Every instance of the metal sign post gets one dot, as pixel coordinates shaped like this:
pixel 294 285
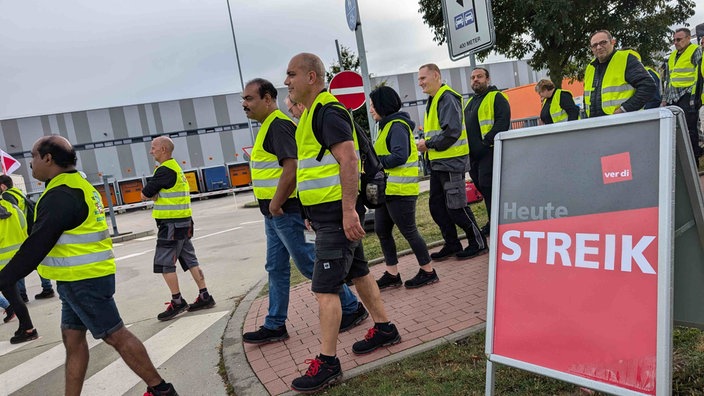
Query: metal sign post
pixel 469 25
pixel 108 197
pixel 581 270
pixel 354 22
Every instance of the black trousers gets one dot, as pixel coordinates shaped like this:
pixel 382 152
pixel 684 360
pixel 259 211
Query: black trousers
pixel 12 294
pixel 692 115
pixel 447 218
pixel 481 174
pixel 399 211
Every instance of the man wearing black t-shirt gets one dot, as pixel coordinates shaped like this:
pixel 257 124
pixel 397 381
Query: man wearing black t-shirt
pixel 273 166
pixel 327 181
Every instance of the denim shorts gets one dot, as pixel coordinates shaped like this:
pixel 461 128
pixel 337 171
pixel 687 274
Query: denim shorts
pixel 88 305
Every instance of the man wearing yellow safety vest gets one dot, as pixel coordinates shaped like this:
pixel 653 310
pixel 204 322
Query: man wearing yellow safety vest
pixel 680 79
pixel 172 211
pixel 273 166
pixel 446 148
pixel 13 232
pixel 328 184
pixel 486 113
pixel 615 81
pixel 70 243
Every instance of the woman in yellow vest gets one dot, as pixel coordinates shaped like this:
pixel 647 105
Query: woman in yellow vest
pixel 397 151
pixel 558 104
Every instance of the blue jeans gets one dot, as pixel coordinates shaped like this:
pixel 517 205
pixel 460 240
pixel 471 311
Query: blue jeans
pixel 285 240
pixel 3 302
pixel 46 285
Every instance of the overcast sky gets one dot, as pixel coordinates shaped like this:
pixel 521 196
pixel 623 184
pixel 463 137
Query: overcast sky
pixel 60 56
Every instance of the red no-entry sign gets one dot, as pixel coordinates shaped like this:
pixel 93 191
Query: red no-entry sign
pixel 348 88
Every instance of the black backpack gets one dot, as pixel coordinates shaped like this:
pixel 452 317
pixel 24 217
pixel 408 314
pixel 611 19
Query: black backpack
pixel 373 177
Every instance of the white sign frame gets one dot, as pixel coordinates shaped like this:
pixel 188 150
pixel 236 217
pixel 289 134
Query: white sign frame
pixel 469 26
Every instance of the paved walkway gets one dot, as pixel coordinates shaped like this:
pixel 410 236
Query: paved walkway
pixel 447 310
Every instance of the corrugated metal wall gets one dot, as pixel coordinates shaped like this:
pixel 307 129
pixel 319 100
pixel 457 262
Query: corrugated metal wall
pixel 207 131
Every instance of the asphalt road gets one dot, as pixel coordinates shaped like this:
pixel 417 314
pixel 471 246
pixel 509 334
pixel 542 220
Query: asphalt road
pixel 230 245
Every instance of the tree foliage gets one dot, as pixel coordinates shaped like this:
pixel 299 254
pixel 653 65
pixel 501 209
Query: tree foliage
pixel 556 33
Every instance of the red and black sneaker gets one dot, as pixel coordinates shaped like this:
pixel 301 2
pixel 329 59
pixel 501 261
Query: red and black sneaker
pixel 318 376
pixel 201 303
pixel 168 392
pixel 173 309
pixel 376 338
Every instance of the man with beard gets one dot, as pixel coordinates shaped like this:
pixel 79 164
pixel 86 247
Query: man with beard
pixel 485 114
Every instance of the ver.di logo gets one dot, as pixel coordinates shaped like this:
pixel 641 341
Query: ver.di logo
pixel 616 168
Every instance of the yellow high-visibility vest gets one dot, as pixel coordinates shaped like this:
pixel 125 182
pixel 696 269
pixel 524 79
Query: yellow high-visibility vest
pixel 318 182
pixel 614 88
pixel 432 128
pixel 485 113
pixel 174 202
pixel 682 73
pixel 557 113
pixel 403 179
pixel 84 252
pixel 266 170
pixel 13 231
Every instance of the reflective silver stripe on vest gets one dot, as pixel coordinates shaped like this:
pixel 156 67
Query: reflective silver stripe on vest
pixel 10 248
pixel 615 102
pixel 587 94
pixel 684 79
pixel 265 183
pixel 459 142
pixel 486 122
pixel 429 134
pixel 559 113
pixel 408 165
pixel 327 159
pixel 4 262
pixel 67 239
pixel 78 260
pixel 620 88
pixel 265 165
pixel 329 181
pixel 402 179
pixel 683 70
pixel 171 207
pixel 176 194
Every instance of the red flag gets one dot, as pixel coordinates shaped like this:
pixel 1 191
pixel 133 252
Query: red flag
pixel 8 163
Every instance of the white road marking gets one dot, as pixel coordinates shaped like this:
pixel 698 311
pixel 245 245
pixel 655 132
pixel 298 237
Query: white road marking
pixel 216 233
pixel 133 255
pixel 117 378
pixel 6 347
pixel 252 222
pixel 116 244
pixel 146 238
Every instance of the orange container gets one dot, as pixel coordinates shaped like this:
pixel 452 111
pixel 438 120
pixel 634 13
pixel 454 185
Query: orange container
pixel 240 175
pixel 131 191
pixel 192 178
pixel 101 190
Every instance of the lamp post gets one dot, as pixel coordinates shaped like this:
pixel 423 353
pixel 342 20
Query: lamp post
pixel 239 66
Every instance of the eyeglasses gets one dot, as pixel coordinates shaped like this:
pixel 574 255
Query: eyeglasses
pixel 600 43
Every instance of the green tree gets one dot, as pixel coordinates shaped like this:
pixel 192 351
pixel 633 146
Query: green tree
pixel 555 33
pixel 349 61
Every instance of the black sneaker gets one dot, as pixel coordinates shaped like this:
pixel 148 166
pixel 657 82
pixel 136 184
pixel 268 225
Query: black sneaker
pixel 201 304
pixel 172 310
pixel 376 338
pixel 169 392
pixel 389 281
pixel 23 336
pixel 46 293
pixel 470 252
pixel 422 278
pixel 485 230
pixel 264 335
pixel 24 297
pixel 318 376
pixel 353 319
pixel 9 314
pixel 445 252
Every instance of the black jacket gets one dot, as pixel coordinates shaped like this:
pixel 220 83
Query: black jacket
pixel 479 146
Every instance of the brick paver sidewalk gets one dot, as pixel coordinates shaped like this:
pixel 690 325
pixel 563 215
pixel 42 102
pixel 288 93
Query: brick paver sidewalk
pixel 456 303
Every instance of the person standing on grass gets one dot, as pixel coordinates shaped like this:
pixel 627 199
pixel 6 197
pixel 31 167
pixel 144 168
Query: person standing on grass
pixel 273 166
pixel 399 156
pixel 328 184
pixel 172 211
